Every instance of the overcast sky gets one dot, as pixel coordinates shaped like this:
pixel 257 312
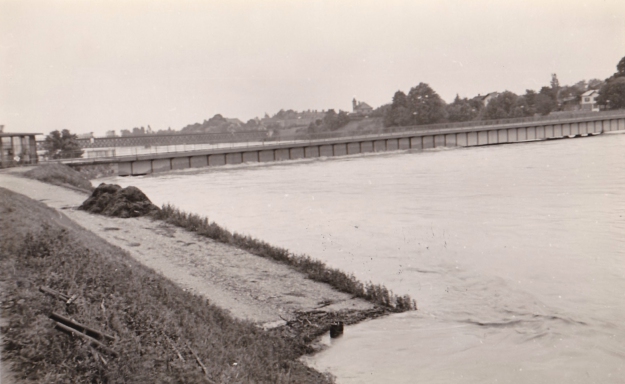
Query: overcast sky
pixel 92 66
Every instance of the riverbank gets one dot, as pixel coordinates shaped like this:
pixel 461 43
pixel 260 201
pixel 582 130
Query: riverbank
pixel 253 289
pixel 158 331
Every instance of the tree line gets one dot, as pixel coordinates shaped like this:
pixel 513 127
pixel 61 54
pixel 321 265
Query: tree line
pixel 422 105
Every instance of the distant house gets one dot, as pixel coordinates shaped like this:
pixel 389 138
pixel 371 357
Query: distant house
pixel 487 97
pixel 589 101
pixel 361 108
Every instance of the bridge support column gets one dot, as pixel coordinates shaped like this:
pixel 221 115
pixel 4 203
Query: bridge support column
pixel 450 140
pixel 234 158
pixel 161 165
pixel 199 161
pixel 482 137
pixel 540 133
pixel 281 154
pixel 492 137
pixel 339 149
pixel 311 152
pixel 266 156
pixel 472 139
pixel 379 145
pixel 502 136
pixel 439 141
pixel 296 153
pixel 353 148
pixel 250 157
pixel 124 169
pixel 428 142
pixel 461 139
pixel 416 142
pixel 180 163
pixel 404 143
pixel 366 146
pixel 326 150
pixel 392 145
pixel 141 167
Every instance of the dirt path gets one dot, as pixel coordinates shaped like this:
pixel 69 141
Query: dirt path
pixel 250 287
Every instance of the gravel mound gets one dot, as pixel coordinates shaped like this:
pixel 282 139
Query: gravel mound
pixel 113 200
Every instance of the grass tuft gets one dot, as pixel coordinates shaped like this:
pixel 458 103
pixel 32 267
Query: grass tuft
pixel 313 269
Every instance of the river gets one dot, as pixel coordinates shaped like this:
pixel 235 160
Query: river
pixel 514 253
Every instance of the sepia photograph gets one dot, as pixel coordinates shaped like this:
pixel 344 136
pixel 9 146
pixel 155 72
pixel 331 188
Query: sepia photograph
pixel 312 191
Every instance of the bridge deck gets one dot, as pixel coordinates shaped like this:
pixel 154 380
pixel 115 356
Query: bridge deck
pixel 421 138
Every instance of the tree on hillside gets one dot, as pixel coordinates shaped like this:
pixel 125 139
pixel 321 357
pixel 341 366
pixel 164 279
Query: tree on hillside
pixel 612 93
pixel 555 87
pixel 62 145
pixel 545 101
pixel 620 68
pixel 398 113
pixel 425 105
pixel 595 84
pixel 333 121
pixel 501 107
pixel 463 109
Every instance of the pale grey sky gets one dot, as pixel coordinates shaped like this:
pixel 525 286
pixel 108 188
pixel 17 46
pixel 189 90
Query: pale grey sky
pixel 91 66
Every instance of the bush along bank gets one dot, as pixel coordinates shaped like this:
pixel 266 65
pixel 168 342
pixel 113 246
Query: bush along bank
pixel 313 269
pixel 160 332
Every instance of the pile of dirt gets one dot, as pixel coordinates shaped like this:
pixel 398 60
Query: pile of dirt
pixel 113 200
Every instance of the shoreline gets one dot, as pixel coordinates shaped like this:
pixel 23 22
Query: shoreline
pixel 243 283
pixel 250 287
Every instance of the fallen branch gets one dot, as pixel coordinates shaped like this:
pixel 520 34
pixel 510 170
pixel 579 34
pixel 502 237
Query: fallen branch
pixel 90 339
pixel 94 333
pixel 173 346
pixel 58 295
pixel 197 358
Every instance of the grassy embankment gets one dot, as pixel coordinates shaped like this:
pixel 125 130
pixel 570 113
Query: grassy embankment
pixel 59 174
pixel 157 326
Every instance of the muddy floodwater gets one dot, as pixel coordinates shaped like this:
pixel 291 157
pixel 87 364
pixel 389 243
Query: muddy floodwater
pixel 515 253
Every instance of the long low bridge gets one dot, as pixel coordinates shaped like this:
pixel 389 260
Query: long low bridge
pixel 413 138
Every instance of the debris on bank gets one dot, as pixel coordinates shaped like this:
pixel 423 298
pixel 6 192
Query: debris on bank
pixel 113 200
pixel 308 326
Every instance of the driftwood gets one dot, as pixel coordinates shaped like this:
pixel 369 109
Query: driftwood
pixel 309 325
pixel 199 361
pixel 58 295
pixel 197 358
pixel 61 296
pixel 93 333
pixel 89 339
pixel 173 346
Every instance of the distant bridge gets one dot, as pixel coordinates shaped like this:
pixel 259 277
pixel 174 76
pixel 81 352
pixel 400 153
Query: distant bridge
pixel 415 138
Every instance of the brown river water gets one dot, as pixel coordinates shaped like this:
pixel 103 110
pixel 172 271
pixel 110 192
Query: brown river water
pixel 514 253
